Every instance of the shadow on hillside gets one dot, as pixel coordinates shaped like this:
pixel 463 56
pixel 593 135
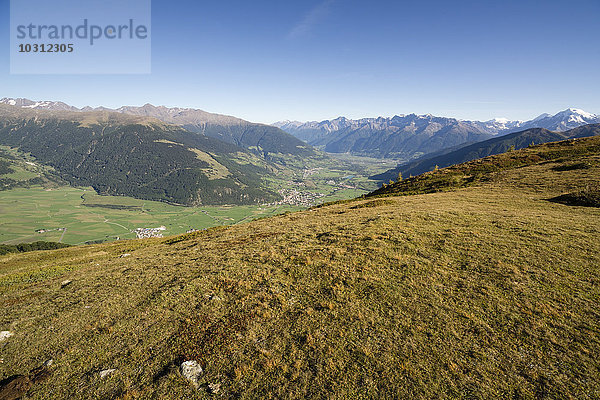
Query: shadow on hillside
pixel 589 197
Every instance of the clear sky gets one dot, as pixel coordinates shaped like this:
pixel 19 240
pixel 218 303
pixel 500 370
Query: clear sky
pixel 312 60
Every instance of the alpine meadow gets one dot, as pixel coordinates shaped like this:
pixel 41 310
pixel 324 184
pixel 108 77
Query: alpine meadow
pixel 300 200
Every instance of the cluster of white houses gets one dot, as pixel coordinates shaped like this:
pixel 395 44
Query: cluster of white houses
pixel 295 197
pixel 145 233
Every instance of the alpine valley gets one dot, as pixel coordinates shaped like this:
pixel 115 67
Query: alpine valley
pixel 139 167
pixel 127 168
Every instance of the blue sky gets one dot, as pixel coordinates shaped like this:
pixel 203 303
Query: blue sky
pixel 312 60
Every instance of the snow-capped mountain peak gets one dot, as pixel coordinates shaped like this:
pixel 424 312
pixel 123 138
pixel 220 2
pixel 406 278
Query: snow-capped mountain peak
pixel 563 120
pixel 45 105
pixel 575 115
pixel 581 113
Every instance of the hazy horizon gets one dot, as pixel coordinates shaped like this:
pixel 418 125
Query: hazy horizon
pixel 317 60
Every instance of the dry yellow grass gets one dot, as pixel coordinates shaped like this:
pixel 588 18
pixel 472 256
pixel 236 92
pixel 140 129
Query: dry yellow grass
pixel 488 291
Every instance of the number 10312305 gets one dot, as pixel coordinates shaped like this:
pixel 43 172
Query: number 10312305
pixel 45 48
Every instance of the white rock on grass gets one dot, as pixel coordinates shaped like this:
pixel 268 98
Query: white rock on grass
pixel 106 372
pixel 125 255
pixel 65 283
pixel 5 335
pixel 191 371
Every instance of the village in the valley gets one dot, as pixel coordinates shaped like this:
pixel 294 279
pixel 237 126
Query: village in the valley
pixel 300 197
pixel 145 233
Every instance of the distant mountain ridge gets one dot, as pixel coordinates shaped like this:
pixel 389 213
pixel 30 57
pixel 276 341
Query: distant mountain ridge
pixel 402 136
pixel 40 105
pixel 262 139
pixel 265 140
pixel 413 135
pixel 562 121
pixel 496 145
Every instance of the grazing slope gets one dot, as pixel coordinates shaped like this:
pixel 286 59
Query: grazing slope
pixel 136 156
pixel 489 291
pixel 497 145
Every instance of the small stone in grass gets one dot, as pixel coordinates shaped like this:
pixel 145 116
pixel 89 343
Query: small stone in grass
pixel 65 283
pixel 192 371
pixel 106 372
pixel 125 255
pixel 5 335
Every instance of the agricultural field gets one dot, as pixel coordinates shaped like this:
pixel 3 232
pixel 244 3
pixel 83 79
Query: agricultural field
pixel 78 216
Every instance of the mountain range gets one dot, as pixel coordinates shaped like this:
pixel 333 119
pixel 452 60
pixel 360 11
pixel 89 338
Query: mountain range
pixel 268 141
pixel 410 136
pixel 496 145
pixel 402 137
pixel 189 156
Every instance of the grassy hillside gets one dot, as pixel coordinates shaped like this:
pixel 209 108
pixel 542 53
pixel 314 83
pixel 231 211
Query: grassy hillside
pixel 497 145
pixel 20 170
pixel 486 291
pixel 581 153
